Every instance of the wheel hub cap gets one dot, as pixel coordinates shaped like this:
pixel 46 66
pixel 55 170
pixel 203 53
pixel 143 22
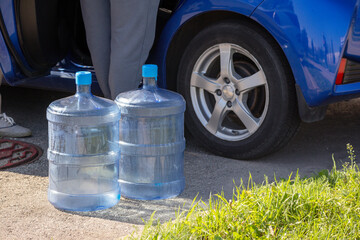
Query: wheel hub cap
pixel 228 92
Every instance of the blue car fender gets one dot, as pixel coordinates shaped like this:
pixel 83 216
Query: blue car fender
pixel 313 37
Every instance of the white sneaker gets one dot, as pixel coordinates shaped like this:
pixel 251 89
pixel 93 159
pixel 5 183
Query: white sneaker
pixel 8 128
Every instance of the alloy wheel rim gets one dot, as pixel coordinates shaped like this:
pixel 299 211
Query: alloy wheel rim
pixel 229 92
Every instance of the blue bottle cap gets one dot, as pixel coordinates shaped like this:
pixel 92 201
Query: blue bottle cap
pixel 83 78
pixel 149 71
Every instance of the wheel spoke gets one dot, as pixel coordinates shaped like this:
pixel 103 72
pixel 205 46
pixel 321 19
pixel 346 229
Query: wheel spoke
pixel 226 62
pixel 256 80
pixel 217 116
pixel 246 117
pixel 203 82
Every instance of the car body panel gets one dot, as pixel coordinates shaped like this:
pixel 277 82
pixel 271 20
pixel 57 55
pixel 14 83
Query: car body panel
pixel 312 38
pixel 8 67
pixel 5 59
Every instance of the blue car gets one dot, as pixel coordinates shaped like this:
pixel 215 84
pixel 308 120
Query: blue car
pixel 250 70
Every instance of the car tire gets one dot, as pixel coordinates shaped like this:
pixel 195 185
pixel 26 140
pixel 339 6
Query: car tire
pixel 240 93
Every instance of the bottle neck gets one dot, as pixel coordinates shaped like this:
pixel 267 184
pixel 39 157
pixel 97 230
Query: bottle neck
pixel 149 83
pixel 83 89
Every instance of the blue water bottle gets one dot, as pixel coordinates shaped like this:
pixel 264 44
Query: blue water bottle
pixel 152 140
pixel 83 150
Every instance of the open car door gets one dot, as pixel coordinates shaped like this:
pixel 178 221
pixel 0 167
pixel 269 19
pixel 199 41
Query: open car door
pixel 34 36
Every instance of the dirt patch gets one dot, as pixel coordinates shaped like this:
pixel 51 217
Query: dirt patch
pixel 25 213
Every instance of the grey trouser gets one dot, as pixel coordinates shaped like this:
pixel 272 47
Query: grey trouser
pixel 119 34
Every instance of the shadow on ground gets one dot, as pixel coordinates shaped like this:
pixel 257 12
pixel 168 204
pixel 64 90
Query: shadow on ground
pixel 308 152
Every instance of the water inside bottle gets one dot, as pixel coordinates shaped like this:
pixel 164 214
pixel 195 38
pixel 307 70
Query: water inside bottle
pixel 83 151
pixel 151 141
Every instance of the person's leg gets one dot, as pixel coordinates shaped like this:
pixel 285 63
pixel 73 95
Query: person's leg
pixel 133 25
pixel 96 15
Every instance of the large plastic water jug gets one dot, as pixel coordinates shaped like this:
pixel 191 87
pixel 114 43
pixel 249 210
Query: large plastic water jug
pixel 152 140
pixel 83 150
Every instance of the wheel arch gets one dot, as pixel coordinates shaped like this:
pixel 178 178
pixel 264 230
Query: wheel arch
pixel 187 31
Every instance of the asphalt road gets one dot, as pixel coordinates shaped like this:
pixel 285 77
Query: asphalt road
pixel 310 151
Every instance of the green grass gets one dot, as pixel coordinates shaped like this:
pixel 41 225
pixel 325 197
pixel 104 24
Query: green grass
pixel 325 206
